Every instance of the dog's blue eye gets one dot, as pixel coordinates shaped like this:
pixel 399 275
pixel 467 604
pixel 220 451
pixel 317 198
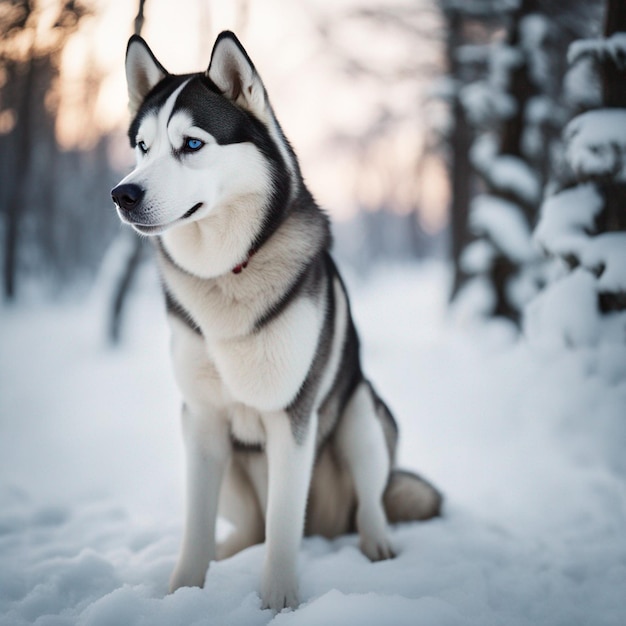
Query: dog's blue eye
pixel 193 144
pixel 142 146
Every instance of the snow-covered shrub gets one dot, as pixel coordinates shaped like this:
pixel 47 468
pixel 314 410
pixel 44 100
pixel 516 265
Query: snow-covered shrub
pixel 583 225
pixel 515 109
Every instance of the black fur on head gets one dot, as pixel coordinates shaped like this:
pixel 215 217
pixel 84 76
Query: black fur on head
pixel 228 101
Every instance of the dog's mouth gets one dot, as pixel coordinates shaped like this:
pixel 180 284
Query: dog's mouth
pixel 192 210
pixel 149 230
pixel 157 229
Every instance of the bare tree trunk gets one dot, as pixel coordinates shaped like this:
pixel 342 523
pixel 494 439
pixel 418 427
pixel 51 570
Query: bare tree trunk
pixel 613 84
pixel 461 173
pixel 522 89
pixel 614 95
pixel 459 166
pixel 22 142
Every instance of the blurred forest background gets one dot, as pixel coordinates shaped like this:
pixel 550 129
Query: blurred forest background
pixel 488 132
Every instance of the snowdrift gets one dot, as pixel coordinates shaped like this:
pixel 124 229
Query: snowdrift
pixel 527 445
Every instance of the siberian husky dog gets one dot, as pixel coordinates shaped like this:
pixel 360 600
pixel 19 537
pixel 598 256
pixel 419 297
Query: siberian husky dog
pixel 283 433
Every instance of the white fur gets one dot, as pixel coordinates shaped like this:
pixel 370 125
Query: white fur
pixel 282 475
pixel 219 236
pixel 289 477
pixel 246 424
pixel 214 239
pixel 266 369
pixel 237 379
pixel 227 306
pixel 228 61
pixel 208 450
pixel 361 443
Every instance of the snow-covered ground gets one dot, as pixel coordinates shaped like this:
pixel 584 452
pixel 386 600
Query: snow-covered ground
pixel 527 446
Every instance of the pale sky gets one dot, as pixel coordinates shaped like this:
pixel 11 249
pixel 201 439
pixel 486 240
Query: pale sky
pixel 313 98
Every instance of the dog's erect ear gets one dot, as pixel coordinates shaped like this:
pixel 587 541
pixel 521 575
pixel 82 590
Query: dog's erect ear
pixel 143 72
pixel 233 72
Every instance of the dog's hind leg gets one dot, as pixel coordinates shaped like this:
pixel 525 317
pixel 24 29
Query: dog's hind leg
pixel 290 464
pixel 361 443
pixel 207 447
pixel 240 505
pixel 409 497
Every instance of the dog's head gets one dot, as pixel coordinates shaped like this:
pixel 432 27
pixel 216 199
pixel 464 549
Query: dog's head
pixel 203 142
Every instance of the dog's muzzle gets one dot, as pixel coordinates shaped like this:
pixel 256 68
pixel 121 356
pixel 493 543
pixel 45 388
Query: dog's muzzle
pixel 127 197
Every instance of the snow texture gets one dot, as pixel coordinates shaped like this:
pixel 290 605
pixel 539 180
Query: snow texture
pixel 567 313
pixel 527 447
pixel 567 218
pixel 596 144
pixel 523 285
pixel 540 112
pixel 566 228
pixel 605 255
pixel 475 300
pixel 534 30
pixel 486 100
pixel 504 59
pixel 505 172
pixel 477 257
pixel 613 48
pixel 581 86
pixel 503 222
pixel 482 103
pixel 513 175
pixel 483 152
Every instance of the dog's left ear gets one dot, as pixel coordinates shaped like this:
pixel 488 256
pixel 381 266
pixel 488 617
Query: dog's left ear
pixel 234 74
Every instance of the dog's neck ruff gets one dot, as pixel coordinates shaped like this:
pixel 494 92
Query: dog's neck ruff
pixel 239 268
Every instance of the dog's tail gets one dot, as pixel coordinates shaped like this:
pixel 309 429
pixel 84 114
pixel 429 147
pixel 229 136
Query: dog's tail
pixel 408 498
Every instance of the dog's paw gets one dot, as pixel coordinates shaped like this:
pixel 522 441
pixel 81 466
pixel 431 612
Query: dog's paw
pixel 279 594
pixel 186 577
pixel 377 549
pixel 374 543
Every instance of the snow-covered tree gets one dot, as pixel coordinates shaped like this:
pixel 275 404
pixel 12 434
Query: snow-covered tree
pixel 583 225
pixel 470 24
pixel 517 109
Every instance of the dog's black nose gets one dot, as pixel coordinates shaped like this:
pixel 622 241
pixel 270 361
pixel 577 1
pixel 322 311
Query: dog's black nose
pixel 128 196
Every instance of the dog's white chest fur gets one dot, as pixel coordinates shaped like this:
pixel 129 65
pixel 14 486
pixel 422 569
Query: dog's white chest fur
pixel 246 425
pixel 265 369
pixel 260 368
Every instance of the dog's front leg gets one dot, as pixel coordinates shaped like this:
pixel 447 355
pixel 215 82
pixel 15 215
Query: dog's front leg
pixel 207 447
pixel 290 463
